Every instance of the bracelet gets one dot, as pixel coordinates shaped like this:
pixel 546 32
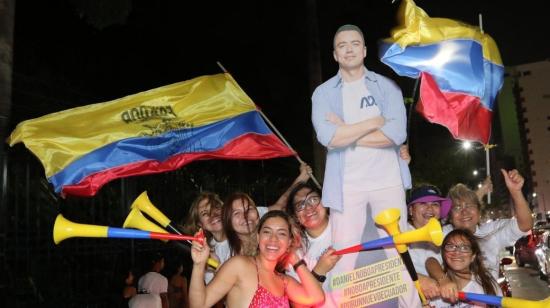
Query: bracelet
pixel 320 278
pixel 301 262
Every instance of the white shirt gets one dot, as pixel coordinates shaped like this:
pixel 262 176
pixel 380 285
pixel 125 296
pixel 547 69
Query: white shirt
pixel 153 283
pixel 495 236
pixel 262 210
pixel 222 251
pixel 317 246
pixel 145 301
pixel 420 252
pixel 366 168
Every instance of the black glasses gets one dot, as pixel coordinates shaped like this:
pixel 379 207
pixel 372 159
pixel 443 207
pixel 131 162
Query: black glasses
pixel 460 248
pixel 310 202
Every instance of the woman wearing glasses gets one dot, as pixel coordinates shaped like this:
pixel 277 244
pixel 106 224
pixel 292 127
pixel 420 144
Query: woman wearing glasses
pixel 304 204
pixel 493 236
pixel 462 264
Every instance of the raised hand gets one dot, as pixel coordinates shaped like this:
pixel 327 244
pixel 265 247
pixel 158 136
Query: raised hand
pixel 199 250
pixel 514 180
pixel 305 172
pixel 486 187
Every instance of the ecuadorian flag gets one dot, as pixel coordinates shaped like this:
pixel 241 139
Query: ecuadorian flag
pixel 460 67
pixel 155 131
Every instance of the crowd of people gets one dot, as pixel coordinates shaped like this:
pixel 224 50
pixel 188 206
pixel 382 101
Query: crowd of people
pixel 284 254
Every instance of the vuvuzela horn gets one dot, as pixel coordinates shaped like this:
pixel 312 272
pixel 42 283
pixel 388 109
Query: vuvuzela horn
pixel 143 203
pixel 389 220
pixel 506 302
pixel 431 232
pixel 136 220
pixel 64 229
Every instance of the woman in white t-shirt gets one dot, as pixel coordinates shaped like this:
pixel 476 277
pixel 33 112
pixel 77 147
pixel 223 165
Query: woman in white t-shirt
pixel 492 236
pixel 304 204
pixel 463 264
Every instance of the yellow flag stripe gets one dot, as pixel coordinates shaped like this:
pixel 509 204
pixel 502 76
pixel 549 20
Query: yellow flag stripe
pixel 59 138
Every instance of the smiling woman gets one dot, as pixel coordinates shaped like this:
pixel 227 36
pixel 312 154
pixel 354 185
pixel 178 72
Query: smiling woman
pixel 255 281
pixel 205 213
pixel 463 264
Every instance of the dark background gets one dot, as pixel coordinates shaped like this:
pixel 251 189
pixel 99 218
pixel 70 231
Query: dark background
pixel 75 52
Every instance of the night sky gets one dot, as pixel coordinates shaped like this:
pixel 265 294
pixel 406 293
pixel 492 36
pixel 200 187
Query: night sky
pixel 72 53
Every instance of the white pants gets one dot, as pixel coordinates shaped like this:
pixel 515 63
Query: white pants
pixel 355 225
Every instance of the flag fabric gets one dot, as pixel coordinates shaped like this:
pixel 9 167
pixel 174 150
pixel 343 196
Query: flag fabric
pixel 154 131
pixel 460 69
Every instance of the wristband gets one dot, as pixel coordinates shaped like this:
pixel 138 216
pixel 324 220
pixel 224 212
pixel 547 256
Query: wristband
pixel 301 262
pixel 320 278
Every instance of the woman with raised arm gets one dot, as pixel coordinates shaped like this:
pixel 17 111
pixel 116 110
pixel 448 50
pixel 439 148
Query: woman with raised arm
pixel 257 281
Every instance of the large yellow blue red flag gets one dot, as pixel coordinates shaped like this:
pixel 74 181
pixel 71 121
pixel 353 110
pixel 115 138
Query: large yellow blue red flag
pixel 155 131
pixel 460 67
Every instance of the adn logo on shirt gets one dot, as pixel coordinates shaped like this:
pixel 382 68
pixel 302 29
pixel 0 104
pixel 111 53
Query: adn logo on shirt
pixel 367 101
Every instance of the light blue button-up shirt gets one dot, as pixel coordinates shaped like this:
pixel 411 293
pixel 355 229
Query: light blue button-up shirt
pixel 328 98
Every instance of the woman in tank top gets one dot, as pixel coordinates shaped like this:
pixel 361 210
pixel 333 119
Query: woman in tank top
pixel 257 281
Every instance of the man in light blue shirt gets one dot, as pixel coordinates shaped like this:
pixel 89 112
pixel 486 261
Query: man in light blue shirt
pixel 359 116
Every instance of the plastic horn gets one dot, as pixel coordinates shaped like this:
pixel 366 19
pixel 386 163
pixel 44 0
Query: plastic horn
pixel 431 232
pixel 136 220
pixel 143 203
pixel 389 220
pixel 506 302
pixel 64 229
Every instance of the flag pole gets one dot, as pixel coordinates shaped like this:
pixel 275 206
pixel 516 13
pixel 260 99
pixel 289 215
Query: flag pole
pixel 278 134
pixel 487 146
pixel 411 108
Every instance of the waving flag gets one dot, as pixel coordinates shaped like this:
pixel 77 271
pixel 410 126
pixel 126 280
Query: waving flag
pixel 460 67
pixel 155 131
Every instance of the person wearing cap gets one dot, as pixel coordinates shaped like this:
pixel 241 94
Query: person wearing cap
pixel 360 117
pixel 153 282
pixel 426 202
pixel 493 236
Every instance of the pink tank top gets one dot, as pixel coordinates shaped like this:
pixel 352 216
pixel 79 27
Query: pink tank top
pixel 263 298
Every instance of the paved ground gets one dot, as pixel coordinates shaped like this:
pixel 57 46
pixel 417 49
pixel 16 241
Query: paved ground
pixel 526 283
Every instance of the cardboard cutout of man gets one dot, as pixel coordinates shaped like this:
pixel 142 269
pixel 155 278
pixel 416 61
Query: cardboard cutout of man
pixel 359 116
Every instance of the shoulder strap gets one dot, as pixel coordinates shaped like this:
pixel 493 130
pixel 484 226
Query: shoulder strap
pixel 257 272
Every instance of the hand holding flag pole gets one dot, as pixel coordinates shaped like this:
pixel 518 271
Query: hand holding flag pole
pixel 278 134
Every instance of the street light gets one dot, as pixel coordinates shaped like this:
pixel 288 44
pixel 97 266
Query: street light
pixel 475 172
pixel 534 195
pixel 466 145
